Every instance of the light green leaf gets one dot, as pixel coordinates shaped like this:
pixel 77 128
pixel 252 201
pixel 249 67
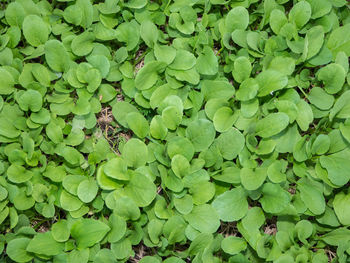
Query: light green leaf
pixel 270 81
pixel 141 189
pixel 35 30
pixel 87 190
pixel 233 245
pixel 231 205
pixel 207 62
pixel 16 250
pixel 138 124
pixel 272 124
pixel 56 56
pixel 87 232
pixel 204 218
pixel 341 207
pixel 135 153
pixel 274 198
pixel 333 77
pixel 45 244
pixel 300 14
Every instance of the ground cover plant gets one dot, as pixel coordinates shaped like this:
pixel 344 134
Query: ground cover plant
pixel 174 131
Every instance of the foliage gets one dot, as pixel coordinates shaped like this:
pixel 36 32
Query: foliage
pixel 174 131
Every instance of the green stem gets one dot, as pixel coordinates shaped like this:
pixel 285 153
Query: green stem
pixel 140 58
pixel 167 5
pixel 303 92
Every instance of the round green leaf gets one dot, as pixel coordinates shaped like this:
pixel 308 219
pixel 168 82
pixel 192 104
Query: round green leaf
pixel 138 124
pixel 274 198
pixel 233 245
pixel 135 153
pixel 141 189
pixel 231 205
pixel 16 250
pixel 35 30
pixel 87 190
pixel 204 218
pixel 61 231
pixel 272 124
pixel 116 168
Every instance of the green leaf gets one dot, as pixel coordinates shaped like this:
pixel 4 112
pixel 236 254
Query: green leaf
pixel 304 230
pixel 164 53
pixel 254 219
pixel 184 205
pixel 247 90
pixel 61 231
pixel 82 45
pixel 277 20
pixel 128 32
pixel 233 245
pixel 231 205
pixel 87 232
pixel 304 115
pixel 274 198
pixel 35 30
pixel 87 8
pixel 319 8
pixel 7 82
pixel 15 14
pixel 73 14
pixel 201 133
pixel 241 69
pixel 184 60
pixel 18 174
pixel 116 168
pixel 312 196
pixel 202 193
pixel 148 75
pixel 341 209
pixel 69 202
pixel 149 33
pixel 203 218
pixel 16 250
pixel 270 81
pixel 172 117
pixel 219 89
pixel 45 244
pixel 30 100
pixel 339 40
pixel 300 14
pixel 87 190
pixel 333 77
pixel 141 189
pixel 272 124
pixel 157 128
pixel 207 62
pixel 137 4
pixel 223 119
pixel 180 145
pixel 237 18
pixel 230 143
pixel 121 109
pixel 138 124
pixel 56 56
pixel 253 179
pixel 320 98
pixel 135 153
pixel 315 39
pixel 337 168
pixel 180 165
pixel 337 236
pixel 284 65
pixel 118 228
